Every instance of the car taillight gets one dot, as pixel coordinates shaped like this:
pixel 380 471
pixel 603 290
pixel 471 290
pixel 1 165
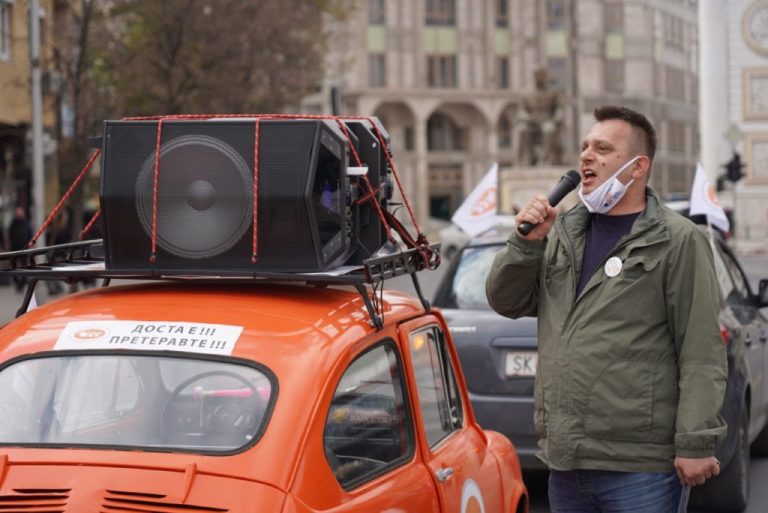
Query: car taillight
pixel 725 334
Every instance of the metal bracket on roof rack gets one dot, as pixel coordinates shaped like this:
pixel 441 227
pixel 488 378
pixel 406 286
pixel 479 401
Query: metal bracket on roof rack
pixel 28 294
pixel 76 261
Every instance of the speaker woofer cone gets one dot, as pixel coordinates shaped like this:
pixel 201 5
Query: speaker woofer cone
pixel 202 210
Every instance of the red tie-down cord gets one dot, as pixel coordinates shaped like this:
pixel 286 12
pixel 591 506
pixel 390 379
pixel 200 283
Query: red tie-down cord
pixel 64 198
pixel 429 259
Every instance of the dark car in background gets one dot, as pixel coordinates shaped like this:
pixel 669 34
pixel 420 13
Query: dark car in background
pixel 499 356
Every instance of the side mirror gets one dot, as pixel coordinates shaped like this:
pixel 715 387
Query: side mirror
pixel 762 296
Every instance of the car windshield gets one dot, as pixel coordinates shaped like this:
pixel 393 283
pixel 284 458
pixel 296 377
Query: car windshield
pixel 467 287
pixel 134 401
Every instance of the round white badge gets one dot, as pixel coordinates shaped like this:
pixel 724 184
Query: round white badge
pixel 613 267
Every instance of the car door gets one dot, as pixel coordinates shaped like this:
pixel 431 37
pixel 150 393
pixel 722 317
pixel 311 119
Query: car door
pixel 454 447
pixel 755 335
pixel 368 459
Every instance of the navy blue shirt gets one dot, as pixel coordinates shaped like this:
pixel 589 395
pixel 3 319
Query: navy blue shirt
pixel 603 233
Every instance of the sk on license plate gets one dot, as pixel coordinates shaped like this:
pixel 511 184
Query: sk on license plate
pixel 521 363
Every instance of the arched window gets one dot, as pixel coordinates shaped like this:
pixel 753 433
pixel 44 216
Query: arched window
pixel 505 132
pixel 443 134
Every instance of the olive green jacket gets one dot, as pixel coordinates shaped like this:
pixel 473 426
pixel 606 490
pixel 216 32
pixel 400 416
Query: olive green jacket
pixel 632 372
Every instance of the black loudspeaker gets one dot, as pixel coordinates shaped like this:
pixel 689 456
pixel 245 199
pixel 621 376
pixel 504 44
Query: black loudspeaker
pixel 305 219
pixel 369 233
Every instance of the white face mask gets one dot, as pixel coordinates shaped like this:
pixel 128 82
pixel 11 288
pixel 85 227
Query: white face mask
pixel 608 193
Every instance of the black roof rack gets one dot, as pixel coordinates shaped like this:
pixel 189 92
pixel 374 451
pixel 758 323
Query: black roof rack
pixel 84 260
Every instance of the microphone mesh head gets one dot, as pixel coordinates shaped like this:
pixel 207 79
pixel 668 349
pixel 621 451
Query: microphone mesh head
pixel 573 176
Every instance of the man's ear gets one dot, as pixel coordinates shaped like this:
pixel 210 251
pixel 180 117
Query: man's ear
pixel 640 168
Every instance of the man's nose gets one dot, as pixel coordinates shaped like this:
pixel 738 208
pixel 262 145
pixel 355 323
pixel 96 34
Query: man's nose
pixel 586 155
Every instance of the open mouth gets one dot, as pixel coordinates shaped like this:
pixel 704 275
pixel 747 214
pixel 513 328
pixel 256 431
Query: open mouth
pixel 588 176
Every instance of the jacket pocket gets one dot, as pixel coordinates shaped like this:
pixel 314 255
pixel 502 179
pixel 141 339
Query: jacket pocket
pixel 620 403
pixel 557 274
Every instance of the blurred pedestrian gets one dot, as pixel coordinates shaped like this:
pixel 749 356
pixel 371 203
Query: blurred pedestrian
pixel 632 369
pixel 19 235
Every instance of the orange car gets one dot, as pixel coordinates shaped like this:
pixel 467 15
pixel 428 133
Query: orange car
pixel 242 397
pixel 226 386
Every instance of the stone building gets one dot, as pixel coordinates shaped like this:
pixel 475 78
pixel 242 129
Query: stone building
pixel 448 78
pixel 738 113
pixel 15 104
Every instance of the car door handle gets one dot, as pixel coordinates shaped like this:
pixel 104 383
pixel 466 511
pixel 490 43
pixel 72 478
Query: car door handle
pixel 444 474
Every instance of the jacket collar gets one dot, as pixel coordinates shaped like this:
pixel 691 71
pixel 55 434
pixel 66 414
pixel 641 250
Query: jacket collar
pixel 648 229
pixel 651 220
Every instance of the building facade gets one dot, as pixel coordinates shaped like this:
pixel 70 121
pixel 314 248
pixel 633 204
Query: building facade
pixel 16 104
pixel 449 79
pixel 746 24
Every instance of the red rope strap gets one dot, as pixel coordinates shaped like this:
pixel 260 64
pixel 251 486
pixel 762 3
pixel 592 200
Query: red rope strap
pixel 155 184
pixel 90 224
pixel 63 199
pixel 397 177
pixel 370 193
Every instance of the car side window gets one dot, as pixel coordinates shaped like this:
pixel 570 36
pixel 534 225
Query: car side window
pixel 436 384
pixel 724 278
pixel 739 281
pixel 368 429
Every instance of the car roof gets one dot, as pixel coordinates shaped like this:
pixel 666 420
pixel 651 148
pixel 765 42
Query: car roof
pixel 281 322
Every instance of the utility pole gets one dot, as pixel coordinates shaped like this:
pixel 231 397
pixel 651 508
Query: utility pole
pixel 713 87
pixel 38 173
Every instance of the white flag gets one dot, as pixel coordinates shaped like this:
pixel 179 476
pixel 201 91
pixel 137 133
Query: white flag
pixel 704 201
pixel 478 212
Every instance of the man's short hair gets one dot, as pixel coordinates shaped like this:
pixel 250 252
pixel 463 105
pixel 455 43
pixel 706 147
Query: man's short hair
pixel 638 122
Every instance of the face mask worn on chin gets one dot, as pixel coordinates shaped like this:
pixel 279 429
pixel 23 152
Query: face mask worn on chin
pixel 608 193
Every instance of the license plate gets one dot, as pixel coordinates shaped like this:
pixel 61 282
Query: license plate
pixel 521 363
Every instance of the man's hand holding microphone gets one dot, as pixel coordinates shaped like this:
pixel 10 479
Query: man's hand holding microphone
pixel 537 217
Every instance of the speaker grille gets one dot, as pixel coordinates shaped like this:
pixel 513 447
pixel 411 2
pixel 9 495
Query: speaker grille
pixel 204 209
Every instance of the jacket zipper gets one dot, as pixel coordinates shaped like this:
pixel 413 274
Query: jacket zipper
pixel 571 257
pixel 622 243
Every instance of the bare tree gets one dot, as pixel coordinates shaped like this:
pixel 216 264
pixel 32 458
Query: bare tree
pixel 79 104
pixel 193 56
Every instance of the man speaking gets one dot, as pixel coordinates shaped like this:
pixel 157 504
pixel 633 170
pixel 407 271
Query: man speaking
pixel 632 368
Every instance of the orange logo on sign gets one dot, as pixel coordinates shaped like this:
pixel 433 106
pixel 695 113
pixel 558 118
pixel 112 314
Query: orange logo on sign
pixel 486 203
pixel 712 196
pixel 89 334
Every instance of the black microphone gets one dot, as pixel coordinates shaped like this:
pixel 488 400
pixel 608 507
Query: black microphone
pixel 568 182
